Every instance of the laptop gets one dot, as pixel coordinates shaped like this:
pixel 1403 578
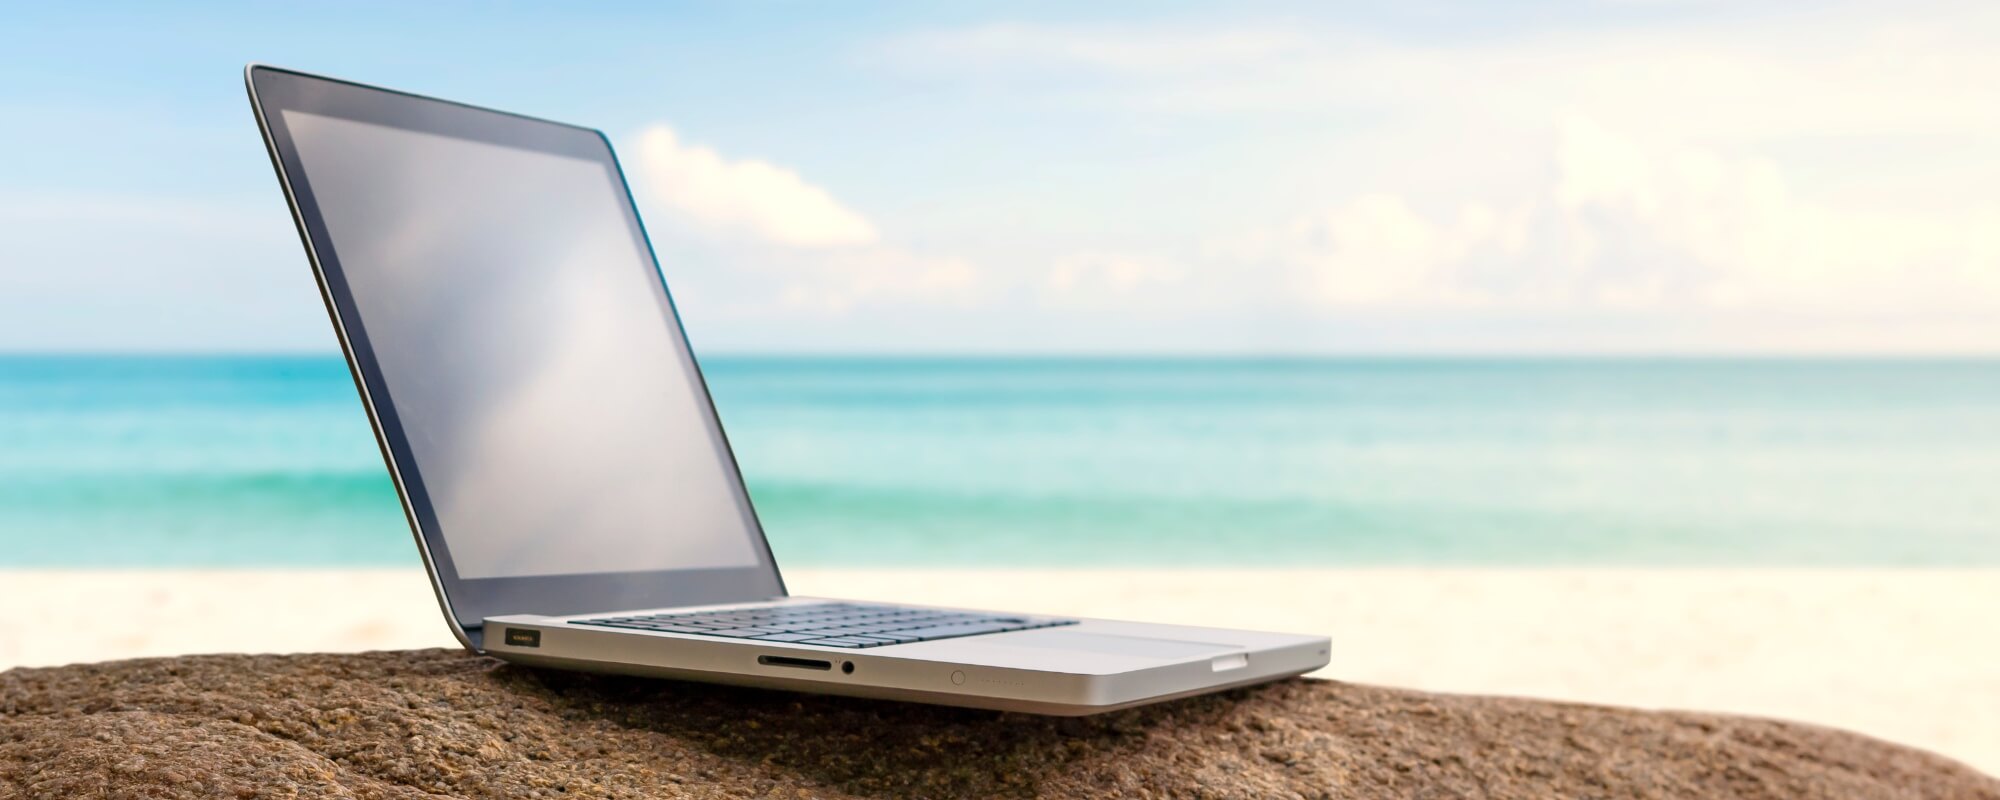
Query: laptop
pixel 558 456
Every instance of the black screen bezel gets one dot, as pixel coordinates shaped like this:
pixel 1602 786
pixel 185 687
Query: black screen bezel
pixel 468 602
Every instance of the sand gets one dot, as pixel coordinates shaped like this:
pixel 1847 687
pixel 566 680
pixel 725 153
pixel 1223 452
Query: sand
pixel 440 723
pixel 1907 656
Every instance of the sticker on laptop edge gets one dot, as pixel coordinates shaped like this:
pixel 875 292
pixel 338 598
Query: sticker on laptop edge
pixel 523 637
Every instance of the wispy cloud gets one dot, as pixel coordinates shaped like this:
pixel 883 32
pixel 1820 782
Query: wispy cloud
pixel 1925 69
pixel 1762 183
pixel 1155 49
pixel 819 257
pixel 1725 177
pixel 744 195
pixel 1622 223
pixel 1105 279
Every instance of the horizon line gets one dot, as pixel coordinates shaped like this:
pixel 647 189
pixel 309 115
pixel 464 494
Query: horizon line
pixel 1129 355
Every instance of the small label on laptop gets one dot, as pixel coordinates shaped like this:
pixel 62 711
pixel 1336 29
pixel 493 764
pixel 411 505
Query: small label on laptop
pixel 523 637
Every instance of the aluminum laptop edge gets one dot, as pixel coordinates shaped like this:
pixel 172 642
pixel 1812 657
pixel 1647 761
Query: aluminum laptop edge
pixel 559 459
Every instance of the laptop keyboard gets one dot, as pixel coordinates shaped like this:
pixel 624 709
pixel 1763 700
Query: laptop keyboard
pixel 853 625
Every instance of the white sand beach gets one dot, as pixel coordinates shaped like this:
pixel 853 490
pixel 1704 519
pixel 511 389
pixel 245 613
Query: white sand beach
pixel 1905 655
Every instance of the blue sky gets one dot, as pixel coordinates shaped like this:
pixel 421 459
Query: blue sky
pixel 1569 177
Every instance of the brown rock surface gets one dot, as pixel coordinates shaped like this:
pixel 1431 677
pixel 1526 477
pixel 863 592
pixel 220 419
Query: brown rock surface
pixel 444 723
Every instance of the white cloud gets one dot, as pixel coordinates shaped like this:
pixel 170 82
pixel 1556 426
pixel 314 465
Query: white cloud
pixel 1627 223
pixel 785 246
pixel 1925 68
pixel 770 243
pixel 1373 250
pixel 1793 179
pixel 744 195
pixel 845 281
pixel 1101 278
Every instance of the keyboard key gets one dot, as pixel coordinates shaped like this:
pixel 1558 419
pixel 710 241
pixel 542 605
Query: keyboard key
pixel 785 637
pixel 814 626
pixel 950 631
pixel 829 624
pixel 745 633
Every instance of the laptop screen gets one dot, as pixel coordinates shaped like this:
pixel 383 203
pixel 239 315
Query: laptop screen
pixel 536 369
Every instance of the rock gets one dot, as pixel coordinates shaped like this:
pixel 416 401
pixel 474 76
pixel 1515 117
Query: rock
pixel 443 723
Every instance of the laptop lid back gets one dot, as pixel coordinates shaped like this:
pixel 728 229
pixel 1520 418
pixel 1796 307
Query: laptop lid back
pixel 534 394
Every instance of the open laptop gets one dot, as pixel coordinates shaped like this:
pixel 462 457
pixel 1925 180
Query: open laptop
pixel 559 458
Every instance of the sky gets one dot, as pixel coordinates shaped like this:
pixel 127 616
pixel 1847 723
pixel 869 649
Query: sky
pixel 1641 177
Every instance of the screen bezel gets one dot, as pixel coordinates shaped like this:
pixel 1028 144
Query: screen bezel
pixel 468 602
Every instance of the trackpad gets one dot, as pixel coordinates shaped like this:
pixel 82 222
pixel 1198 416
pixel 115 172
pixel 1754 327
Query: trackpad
pixel 1113 645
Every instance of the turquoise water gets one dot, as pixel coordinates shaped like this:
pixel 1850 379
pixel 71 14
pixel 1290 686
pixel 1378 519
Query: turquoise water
pixel 237 460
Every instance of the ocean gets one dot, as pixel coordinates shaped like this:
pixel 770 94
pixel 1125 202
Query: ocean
pixel 852 461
